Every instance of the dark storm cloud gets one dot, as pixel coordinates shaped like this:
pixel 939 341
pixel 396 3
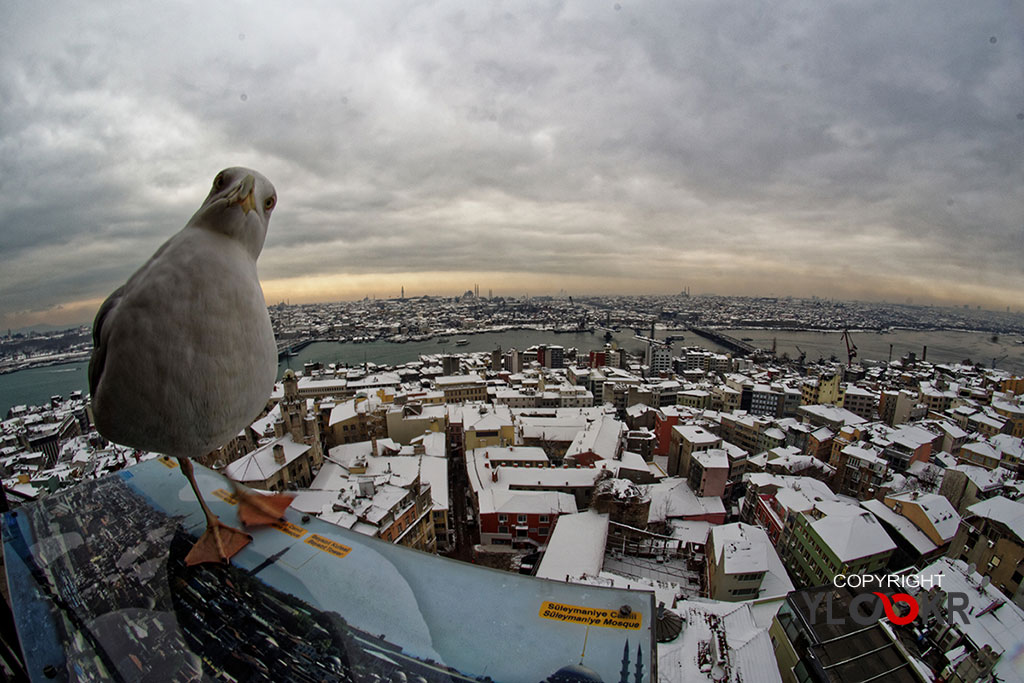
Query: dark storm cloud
pixel 558 139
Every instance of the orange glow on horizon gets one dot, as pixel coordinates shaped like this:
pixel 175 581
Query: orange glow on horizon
pixel 726 281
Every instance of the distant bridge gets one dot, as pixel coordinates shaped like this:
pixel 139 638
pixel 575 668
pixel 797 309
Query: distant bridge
pixel 650 340
pixel 731 343
pixel 290 347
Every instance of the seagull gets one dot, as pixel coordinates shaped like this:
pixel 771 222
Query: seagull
pixel 184 355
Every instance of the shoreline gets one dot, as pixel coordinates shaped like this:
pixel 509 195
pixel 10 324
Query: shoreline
pixel 32 364
pixel 80 356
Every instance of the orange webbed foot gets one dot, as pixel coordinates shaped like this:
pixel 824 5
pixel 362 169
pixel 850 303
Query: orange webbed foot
pixel 255 509
pixel 219 543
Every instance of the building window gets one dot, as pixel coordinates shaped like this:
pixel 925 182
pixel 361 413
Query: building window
pixel 502 518
pixel 502 529
pixel 521 519
pixel 543 531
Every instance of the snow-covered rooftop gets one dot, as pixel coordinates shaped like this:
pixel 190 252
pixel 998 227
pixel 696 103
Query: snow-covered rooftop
pixel 745 548
pixel 1000 628
pixel 576 546
pixel 261 463
pixel 864 454
pixel 938 509
pixel 793 492
pixel 736 552
pixel 601 438
pixel 850 532
pixel 985 480
pixel 434 471
pixel 1003 510
pixel 672 498
pixel 696 435
pixel 482 476
pixel 903 526
pixel 266 423
pixel 832 414
pixel 521 454
pixel 912 437
pixel 710 625
pixel 713 458
pixel 526 502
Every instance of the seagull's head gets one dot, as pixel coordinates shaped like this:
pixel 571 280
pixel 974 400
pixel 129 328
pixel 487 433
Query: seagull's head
pixel 239 206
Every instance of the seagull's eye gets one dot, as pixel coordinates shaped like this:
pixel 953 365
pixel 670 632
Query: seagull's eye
pixel 218 182
pixel 269 203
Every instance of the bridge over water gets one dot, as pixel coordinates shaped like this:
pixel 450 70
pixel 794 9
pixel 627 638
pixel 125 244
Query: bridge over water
pixel 290 347
pixel 732 343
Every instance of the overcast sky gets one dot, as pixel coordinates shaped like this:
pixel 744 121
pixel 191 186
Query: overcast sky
pixel 847 149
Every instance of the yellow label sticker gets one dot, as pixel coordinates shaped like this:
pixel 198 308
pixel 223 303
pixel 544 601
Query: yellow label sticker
pixel 328 546
pixel 286 527
pixel 168 462
pixel 226 496
pixel 591 616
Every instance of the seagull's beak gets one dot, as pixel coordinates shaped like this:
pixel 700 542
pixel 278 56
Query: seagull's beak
pixel 242 194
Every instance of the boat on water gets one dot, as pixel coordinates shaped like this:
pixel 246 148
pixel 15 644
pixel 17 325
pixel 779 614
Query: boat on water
pixel 443 340
pixel 461 342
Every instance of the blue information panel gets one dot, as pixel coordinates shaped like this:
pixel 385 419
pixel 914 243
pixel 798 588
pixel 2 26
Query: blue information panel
pixel 101 592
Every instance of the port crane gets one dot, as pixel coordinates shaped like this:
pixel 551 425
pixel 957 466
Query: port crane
pixel 851 348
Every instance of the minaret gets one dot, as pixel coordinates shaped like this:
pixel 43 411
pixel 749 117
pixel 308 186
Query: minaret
pixel 639 677
pixel 624 674
pixel 267 562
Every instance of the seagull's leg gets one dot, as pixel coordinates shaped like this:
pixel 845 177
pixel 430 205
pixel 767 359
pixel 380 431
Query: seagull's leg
pixel 220 542
pixel 255 509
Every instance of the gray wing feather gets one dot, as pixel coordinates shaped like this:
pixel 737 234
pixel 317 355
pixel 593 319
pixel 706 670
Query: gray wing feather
pixel 99 353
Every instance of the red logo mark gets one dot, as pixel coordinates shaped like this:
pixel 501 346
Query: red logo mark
pixel 890 610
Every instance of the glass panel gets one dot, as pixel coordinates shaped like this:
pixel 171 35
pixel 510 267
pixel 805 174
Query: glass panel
pixel 97 594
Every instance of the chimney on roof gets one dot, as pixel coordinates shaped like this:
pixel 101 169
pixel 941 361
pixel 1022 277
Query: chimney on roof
pixel 494 474
pixel 279 454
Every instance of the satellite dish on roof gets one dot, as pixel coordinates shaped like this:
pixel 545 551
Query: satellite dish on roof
pixel 985 580
pixel 971 568
pixel 668 625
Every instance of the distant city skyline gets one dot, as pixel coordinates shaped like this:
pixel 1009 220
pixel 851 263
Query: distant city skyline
pixel 849 152
pixel 69 317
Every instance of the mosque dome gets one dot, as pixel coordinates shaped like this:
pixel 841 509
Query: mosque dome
pixel 574 673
